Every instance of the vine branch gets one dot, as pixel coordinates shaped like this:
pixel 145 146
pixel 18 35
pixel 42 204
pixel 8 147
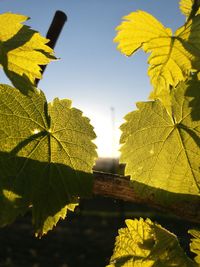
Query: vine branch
pixel 118 187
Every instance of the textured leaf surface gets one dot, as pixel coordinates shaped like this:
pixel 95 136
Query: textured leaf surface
pixel 146 244
pixel 186 7
pixel 172 56
pixel 195 244
pixel 162 150
pixel 22 50
pixel 46 157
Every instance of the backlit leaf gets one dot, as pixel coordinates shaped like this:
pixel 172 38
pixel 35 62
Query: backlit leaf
pixel 147 244
pixel 172 58
pixel 195 244
pixel 162 150
pixel 46 157
pixel 22 51
pixel 186 7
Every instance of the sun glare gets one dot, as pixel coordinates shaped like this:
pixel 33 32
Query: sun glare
pixel 107 131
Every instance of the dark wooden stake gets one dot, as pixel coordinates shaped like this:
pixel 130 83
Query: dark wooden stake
pixel 53 33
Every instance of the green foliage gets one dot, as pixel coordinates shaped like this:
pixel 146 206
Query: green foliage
pixel 147 244
pixel 46 149
pixel 161 140
pixel 46 157
pixel 162 150
pixel 195 244
pixel 22 51
pixel 173 57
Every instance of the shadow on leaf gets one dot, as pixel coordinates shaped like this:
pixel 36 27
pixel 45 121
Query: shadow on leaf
pixel 193 93
pixel 23 72
pixel 46 187
pixel 21 82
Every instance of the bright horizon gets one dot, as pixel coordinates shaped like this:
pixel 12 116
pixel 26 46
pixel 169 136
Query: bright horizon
pixel 100 81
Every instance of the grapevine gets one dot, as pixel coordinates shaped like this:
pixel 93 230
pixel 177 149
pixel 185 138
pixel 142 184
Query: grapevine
pixel 47 152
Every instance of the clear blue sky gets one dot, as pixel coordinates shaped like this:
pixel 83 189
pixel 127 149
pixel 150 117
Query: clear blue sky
pixel 91 72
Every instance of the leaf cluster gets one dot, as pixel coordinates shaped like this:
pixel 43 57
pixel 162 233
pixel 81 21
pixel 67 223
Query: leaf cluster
pixel 160 140
pixel 144 243
pixel 46 149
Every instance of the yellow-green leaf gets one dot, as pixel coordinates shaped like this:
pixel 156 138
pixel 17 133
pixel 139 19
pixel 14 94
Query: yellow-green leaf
pixel 161 150
pixel 147 244
pixel 186 7
pixel 138 28
pixel 195 244
pixel 22 51
pixel 172 58
pixel 46 157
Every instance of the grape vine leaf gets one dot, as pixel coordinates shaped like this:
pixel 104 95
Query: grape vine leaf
pixel 195 244
pixel 186 7
pixel 162 150
pixel 22 51
pixel 46 157
pixel 147 244
pixel 172 58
